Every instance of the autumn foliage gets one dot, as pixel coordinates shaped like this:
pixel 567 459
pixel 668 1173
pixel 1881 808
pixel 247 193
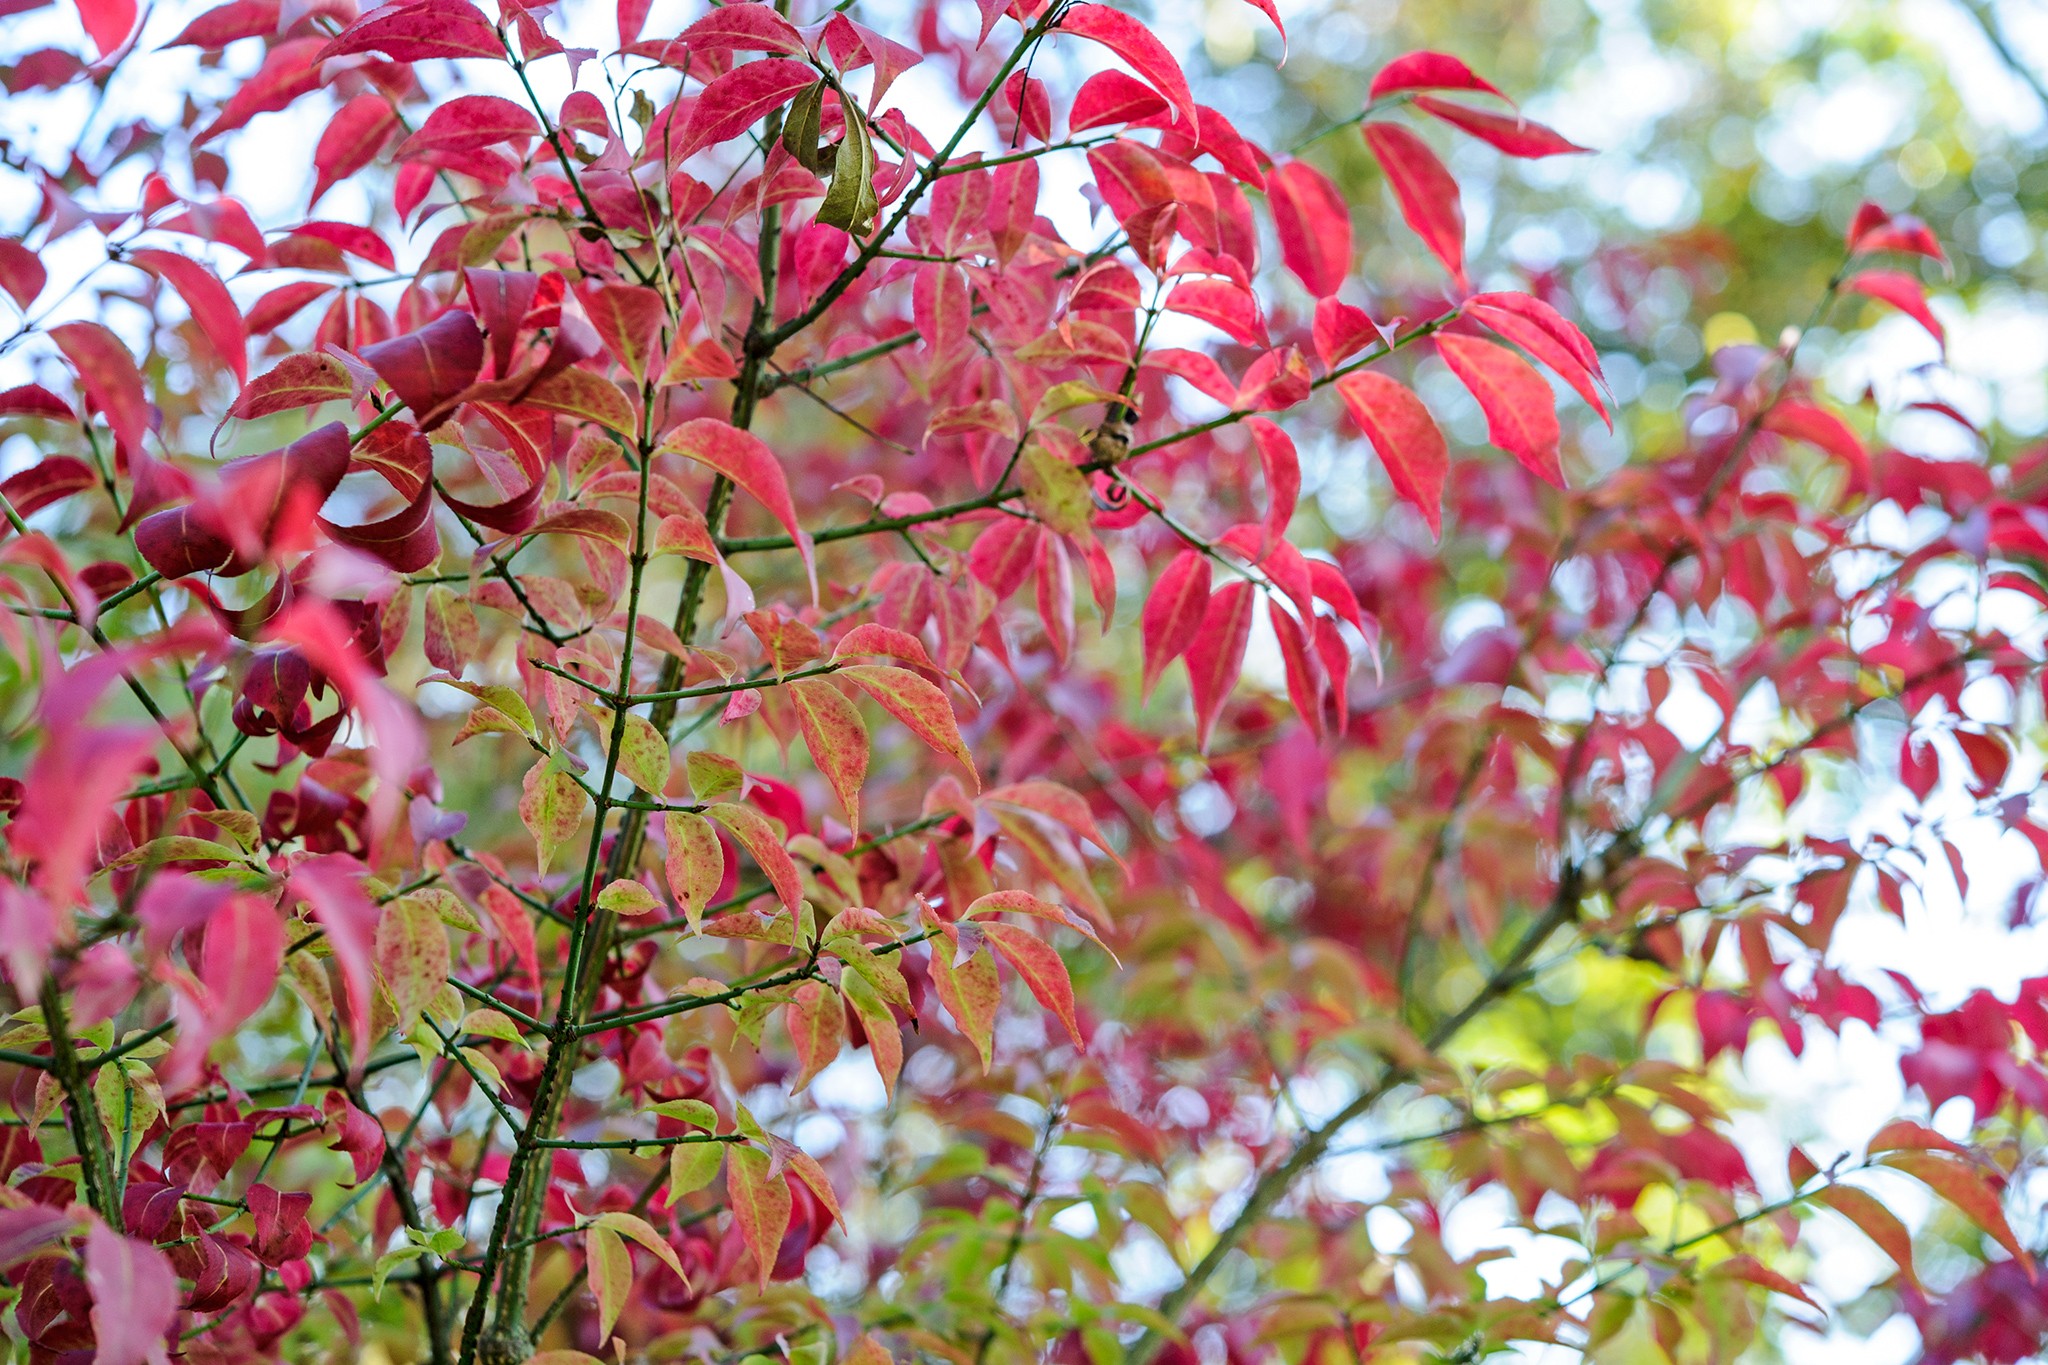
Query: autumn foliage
pixel 718 734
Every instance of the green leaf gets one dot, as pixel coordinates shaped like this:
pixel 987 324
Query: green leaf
pixel 412 957
pixel 643 755
pixel 696 1113
pixel 692 1166
pixel 627 897
pixel 713 775
pixel 608 1270
pixel 801 135
pixel 850 203
pixel 1056 491
pixel 389 1262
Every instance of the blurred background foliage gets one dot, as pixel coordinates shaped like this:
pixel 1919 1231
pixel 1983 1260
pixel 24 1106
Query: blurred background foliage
pixel 1734 140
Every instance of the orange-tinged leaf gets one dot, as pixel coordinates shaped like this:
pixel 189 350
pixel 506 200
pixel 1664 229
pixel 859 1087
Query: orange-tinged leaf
pixel 918 703
pixel 837 738
pixel 1874 1221
pixel 761 1205
pixel 1521 411
pixel 1966 1187
pixel 1753 1271
pixel 297 381
pixel 817 1026
pixel 1055 802
pixel 1173 613
pixel 579 393
pixel 759 838
pixel 695 865
pixel 970 992
pixel 806 1168
pixel 1406 437
pixel 745 459
pixel 1036 961
pixel 885 1035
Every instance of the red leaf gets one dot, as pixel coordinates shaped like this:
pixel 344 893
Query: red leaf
pixel 1342 331
pixel 420 32
pixel 1282 467
pixel 1538 329
pixel 110 378
pixel 228 23
pixel 49 480
pixel 1129 39
pixel 297 381
pixel 743 28
pixel 759 838
pixel 1875 229
pixel 761 1202
pixel 1173 613
pixel 428 368
pixel 108 23
pixel 1521 412
pixel 353 137
pixel 1199 368
pixel 1114 97
pixel 1216 655
pixel 1828 433
pixel 209 302
pixel 33 400
pixel 21 272
pixel 1314 224
pixel 1427 193
pixel 469 122
pixel 356 241
pixel 1409 444
pixel 916 702
pixel 1902 292
pixel 1514 135
pixel 1966 1187
pixel 745 459
pixel 1427 71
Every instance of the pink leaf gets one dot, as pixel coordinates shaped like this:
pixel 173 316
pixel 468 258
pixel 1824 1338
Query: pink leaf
pixel 745 459
pixel 1427 193
pixel 1521 412
pixel 468 122
pixel 1173 613
pixel 1129 39
pixel 1314 224
pixel 738 99
pixel 1406 437
pixel 134 1298
pixel 351 141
